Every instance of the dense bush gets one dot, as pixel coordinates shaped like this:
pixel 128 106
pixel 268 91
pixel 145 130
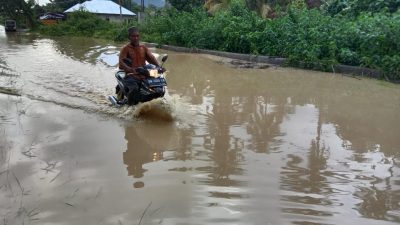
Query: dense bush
pixel 230 30
pixel 81 23
pixel 308 38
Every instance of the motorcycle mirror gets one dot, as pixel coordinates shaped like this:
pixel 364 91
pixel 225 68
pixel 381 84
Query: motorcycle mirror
pixel 164 58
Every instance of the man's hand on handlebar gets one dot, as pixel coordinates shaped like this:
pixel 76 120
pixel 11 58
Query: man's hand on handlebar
pixel 161 70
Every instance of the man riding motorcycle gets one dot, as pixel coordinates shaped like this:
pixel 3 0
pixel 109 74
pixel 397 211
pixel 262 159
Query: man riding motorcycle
pixel 133 56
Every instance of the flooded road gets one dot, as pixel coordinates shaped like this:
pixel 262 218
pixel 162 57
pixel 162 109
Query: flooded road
pixel 230 146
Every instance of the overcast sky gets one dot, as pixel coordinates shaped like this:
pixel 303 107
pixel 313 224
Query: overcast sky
pixel 42 2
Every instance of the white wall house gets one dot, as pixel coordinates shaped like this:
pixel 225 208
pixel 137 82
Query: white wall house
pixel 105 9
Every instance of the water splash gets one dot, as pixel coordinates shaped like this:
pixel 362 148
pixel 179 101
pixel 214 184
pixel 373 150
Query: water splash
pixel 171 108
pixel 156 109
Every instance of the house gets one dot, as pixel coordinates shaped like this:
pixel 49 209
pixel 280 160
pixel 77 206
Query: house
pixel 106 9
pixel 51 18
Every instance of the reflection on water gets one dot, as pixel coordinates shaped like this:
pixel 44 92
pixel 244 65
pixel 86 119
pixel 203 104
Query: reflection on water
pixel 138 153
pixel 237 146
pixel 86 49
pixel 145 144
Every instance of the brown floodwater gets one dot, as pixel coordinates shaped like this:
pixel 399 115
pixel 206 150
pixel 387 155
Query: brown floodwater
pixel 226 146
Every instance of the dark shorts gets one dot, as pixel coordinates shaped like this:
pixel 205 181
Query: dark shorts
pixel 131 82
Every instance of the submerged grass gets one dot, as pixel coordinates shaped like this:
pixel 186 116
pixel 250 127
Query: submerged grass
pixel 9 91
pixel 10 80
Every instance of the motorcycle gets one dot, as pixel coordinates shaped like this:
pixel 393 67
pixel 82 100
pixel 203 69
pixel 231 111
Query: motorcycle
pixel 132 91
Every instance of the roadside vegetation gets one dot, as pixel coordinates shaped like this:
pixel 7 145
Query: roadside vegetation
pixel 83 24
pixel 362 33
pixel 310 38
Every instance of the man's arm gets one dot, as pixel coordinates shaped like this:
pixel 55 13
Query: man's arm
pixel 151 58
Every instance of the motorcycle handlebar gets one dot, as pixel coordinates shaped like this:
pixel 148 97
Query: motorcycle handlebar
pixel 145 71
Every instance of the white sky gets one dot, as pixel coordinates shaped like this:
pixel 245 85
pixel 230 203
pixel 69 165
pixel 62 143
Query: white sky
pixel 42 2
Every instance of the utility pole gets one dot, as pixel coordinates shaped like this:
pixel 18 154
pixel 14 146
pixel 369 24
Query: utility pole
pixel 141 13
pixel 120 10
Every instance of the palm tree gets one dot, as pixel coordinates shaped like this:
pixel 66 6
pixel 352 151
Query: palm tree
pixel 259 6
pixel 214 5
pixel 264 8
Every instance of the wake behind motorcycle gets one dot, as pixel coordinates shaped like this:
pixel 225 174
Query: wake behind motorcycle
pixel 132 91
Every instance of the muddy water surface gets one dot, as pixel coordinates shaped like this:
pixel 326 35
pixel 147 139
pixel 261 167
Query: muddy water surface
pixel 229 146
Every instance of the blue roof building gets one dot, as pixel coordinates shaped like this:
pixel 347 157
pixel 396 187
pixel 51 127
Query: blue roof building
pixel 106 9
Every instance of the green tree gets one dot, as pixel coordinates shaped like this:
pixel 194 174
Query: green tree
pixel 62 5
pixel 19 10
pixel 214 5
pixel 186 5
pixel 355 7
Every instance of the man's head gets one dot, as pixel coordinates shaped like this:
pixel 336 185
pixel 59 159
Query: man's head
pixel 133 33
